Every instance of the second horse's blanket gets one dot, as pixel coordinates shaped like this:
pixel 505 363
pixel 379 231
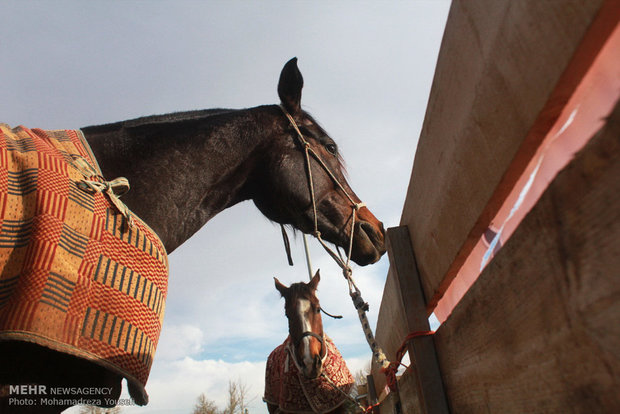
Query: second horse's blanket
pixel 287 388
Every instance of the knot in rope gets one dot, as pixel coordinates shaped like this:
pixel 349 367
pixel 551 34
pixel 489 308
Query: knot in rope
pixel 390 375
pixel 94 182
pixel 113 190
pixel 359 302
pixel 118 186
pixel 391 368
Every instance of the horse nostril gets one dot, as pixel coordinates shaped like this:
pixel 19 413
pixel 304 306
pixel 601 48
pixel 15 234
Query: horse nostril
pixel 318 363
pixel 370 231
pixel 367 227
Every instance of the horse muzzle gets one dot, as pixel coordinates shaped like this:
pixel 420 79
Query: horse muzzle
pixel 368 242
pixel 312 366
pixel 314 369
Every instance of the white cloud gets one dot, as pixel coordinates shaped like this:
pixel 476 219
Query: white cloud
pixel 358 364
pixel 177 384
pixel 178 341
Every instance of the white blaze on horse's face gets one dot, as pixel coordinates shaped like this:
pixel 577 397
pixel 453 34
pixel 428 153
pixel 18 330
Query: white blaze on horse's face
pixel 303 309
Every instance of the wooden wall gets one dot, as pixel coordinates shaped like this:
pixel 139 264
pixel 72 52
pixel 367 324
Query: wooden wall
pixel 503 75
pixel 540 329
pixel 539 332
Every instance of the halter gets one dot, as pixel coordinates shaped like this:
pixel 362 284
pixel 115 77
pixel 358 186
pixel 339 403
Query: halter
pixel 320 338
pixel 354 292
pixel 355 206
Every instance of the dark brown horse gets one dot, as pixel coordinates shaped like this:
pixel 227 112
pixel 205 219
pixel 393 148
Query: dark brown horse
pixel 305 373
pixel 184 168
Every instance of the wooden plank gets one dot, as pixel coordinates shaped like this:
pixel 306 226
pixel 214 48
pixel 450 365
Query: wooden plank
pixel 409 392
pixel 539 332
pixel 391 326
pixel 504 72
pixel 391 405
pixel 430 391
pixel 407 399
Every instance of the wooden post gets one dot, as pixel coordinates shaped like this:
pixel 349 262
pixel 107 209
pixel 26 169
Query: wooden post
pixel 372 393
pixel 422 349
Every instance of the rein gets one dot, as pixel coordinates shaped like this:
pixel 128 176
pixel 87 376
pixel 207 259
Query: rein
pixel 356 296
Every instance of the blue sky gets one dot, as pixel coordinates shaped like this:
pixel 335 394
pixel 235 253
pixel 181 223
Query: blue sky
pixel 368 68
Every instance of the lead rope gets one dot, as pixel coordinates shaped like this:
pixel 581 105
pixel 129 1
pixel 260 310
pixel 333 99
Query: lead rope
pixel 356 296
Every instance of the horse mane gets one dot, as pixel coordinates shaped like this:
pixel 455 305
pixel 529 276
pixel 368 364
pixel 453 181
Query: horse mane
pixel 189 116
pixel 175 117
pixel 151 120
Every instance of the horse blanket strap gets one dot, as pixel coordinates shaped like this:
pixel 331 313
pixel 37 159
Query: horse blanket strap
pixel 113 190
pixel 74 276
pixel 287 387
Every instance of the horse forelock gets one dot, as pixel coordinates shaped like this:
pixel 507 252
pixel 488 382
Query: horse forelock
pixel 300 291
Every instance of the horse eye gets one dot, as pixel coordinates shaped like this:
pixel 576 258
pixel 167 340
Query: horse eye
pixel 332 148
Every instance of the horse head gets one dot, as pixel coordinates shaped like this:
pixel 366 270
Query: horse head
pixel 311 193
pixel 305 325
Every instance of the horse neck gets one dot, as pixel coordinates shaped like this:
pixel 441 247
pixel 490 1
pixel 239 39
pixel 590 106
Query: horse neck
pixel 182 169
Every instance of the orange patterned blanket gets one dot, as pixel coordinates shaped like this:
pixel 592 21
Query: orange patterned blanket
pixel 287 388
pixel 75 275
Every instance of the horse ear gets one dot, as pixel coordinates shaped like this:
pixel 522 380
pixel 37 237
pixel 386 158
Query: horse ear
pixel 289 87
pixel 314 283
pixel 281 288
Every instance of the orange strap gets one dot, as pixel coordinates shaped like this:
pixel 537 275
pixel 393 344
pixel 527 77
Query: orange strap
pixel 390 371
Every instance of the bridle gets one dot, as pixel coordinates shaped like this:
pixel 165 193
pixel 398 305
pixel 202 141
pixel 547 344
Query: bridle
pixel 297 342
pixel 320 338
pixel 355 206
